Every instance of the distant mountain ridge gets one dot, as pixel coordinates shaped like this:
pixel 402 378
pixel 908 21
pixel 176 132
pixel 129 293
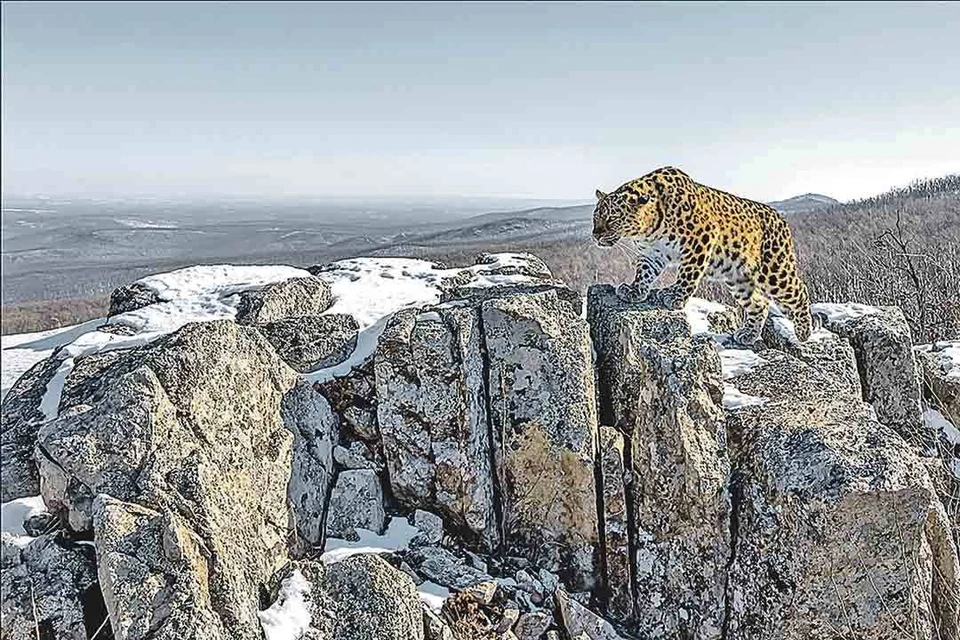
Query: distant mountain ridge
pixel 803 203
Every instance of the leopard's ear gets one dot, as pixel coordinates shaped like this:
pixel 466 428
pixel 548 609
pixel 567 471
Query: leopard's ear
pixel 601 195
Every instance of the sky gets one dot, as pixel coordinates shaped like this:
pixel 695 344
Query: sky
pixel 535 100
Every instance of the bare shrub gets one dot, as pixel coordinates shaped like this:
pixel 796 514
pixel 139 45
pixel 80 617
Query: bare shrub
pixel 901 248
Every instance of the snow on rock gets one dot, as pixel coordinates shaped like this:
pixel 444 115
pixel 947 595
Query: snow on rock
pixel 398 535
pixel 698 310
pixel 840 313
pixel 946 355
pixel 21 351
pixel 433 595
pixel 369 289
pixel 936 420
pixel 734 399
pixel 373 289
pixel 289 617
pixel 736 362
pixel 193 294
pixel 14 513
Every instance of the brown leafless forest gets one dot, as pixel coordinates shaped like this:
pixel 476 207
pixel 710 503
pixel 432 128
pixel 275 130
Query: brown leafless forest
pixel 900 248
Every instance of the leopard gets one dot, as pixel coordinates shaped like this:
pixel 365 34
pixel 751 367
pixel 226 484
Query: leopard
pixel 674 220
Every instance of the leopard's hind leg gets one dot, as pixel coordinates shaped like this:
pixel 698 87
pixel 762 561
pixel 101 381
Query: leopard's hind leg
pixel 754 305
pixel 791 296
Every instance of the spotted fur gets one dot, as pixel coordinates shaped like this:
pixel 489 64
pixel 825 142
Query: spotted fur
pixel 746 244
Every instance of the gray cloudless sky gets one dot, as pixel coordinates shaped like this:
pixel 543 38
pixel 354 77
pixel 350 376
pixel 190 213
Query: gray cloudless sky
pixel 536 100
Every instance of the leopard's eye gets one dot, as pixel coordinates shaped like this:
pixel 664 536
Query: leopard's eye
pixel 643 199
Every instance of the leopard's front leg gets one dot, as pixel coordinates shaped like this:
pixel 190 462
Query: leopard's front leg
pixel 694 256
pixel 650 264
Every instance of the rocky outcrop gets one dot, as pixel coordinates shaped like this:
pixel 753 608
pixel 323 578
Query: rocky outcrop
pixel 293 298
pixel 170 440
pixel 312 342
pixel 836 526
pixel 131 297
pixel 662 389
pixel 48 589
pixel 432 415
pixel 21 415
pixel 885 360
pixel 734 493
pixel 544 420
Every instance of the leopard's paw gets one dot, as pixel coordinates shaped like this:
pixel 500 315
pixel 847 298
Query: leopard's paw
pixel 631 293
pixel 668 298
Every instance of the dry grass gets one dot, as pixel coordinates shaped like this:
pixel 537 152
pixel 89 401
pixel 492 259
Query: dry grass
pixel 50 314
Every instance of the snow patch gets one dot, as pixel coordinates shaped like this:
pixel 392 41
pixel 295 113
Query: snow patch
pixel 947 354
pixel 14 513
pixel 734 399
pixel 398 535
pixel 736 362
pixel 433 595
pixel 193 294
pixel 21 351
pixel 697 310
pixel 372 290
pixel 933 419
pixel 289 617
pixel 145 224
pixel 841 313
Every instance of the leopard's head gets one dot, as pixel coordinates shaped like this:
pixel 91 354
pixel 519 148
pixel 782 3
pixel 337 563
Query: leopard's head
pixel 627 212
pixel 637 208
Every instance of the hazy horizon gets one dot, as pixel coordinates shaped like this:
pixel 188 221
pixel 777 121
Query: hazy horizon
pixel 471 101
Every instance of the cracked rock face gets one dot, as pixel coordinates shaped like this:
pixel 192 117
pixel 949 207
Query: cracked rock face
pixel 887 366
pixel 544 421
pixel 616 544
pixel 157 580
pixel 201 463
pixel 166 434
pixel 433 418
pixel 662 389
